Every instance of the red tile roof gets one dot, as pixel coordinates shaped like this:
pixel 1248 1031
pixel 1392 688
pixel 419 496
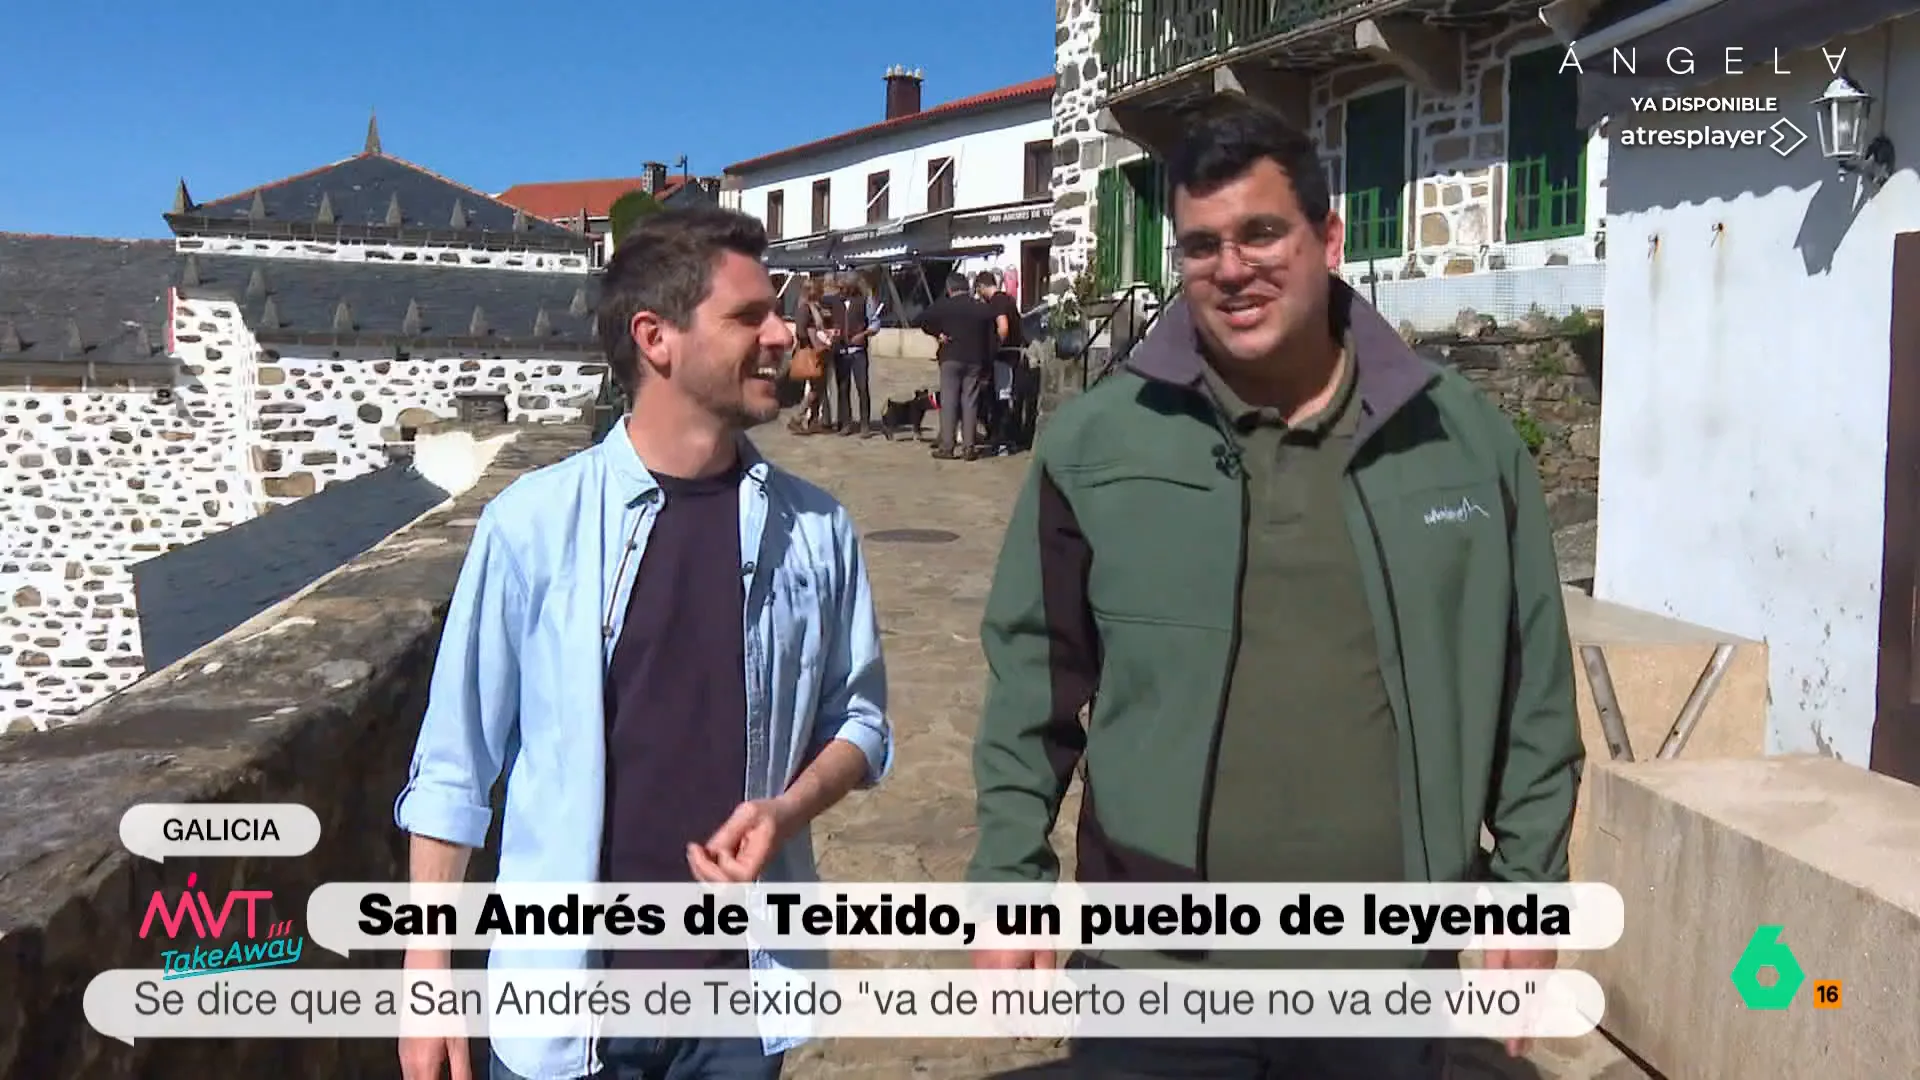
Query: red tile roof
pixel 566 198
pixel 1006 95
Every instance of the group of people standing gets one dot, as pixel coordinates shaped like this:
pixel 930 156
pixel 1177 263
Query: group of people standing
pixel 835 323
pixel 985 404
pixel 982 361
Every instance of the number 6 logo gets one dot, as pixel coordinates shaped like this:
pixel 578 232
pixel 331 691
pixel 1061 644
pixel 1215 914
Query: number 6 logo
pixel 1765 950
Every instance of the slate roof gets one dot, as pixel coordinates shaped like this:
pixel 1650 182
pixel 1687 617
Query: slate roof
pixel 297 300
pixel 691 191
pixel 108 293
pixel 195 593
pixel 369 191
pixel 83 299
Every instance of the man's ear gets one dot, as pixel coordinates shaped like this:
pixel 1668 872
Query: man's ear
pixel 1336 241
pixel 649 333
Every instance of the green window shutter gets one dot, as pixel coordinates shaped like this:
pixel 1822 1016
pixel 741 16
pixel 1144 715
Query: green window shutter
pixel 1546 150
pixel 1147 186
pixel 1376 141
pixel 1108 214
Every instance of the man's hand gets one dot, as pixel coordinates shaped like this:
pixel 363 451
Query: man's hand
pixel 1014 959
pixel 1520 960
pixel 740 848
pixel 422 1056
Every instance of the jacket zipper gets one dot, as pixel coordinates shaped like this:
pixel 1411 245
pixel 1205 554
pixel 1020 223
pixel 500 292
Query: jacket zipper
pixel 1204 827
pixel 1400 656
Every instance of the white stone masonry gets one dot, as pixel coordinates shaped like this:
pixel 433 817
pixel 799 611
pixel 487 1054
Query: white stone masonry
pixel 98 480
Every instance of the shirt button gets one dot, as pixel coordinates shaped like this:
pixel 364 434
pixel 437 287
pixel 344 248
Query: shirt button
pixel 747 570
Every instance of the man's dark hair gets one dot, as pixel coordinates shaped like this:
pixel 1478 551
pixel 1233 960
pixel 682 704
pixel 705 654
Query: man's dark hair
pixel 1226 135
pixel 665 265
pixel 956 283
pixel 985 280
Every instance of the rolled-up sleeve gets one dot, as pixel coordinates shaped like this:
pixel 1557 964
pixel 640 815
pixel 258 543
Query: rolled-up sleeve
pixel 853 700
pixel 472 701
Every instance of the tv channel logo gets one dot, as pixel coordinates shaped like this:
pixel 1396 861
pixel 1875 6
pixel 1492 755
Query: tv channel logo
pixel 1766 950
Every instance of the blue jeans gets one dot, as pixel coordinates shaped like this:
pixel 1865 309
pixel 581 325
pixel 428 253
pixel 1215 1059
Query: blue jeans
pixel 676 1059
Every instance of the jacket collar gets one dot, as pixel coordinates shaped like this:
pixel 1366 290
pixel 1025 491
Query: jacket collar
pixel 1387 371
pixel 633 481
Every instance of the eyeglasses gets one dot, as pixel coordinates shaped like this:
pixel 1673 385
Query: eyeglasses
pixel 1258 245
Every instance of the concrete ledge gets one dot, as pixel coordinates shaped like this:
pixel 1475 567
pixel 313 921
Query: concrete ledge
pixel 317 701
pixel 1654 663
pixel 904 344
pixel 1706 851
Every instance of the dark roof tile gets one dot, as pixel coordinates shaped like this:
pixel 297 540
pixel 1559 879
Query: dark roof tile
pixel 52 287
pixel 419 301
pixel 372 189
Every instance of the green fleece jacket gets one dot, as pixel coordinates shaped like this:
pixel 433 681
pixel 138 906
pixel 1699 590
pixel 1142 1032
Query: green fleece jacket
pixel 1116 590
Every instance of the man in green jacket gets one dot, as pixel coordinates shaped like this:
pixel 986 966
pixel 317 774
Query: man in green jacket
pixel 1303 584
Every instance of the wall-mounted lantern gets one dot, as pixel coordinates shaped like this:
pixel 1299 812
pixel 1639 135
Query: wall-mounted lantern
pixel 1842 113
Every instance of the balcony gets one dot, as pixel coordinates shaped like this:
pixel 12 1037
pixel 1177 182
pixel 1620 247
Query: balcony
pixel 1142 41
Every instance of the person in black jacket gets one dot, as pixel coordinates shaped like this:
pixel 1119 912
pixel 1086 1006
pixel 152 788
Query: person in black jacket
pixel 998 405
pixel 965 326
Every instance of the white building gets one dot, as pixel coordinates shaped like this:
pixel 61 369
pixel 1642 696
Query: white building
pixel 964 185
pixel 1762 366
pixel 290 340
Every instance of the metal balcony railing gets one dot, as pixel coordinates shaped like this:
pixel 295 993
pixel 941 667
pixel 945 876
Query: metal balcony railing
pixel 1143 40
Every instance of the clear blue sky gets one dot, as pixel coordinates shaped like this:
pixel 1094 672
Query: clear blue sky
pixel 110 103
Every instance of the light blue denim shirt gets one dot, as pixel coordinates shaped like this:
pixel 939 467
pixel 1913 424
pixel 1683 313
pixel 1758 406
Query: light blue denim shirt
pixel 518 682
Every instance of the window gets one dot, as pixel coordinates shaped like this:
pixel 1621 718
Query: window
pixel 822 203
pixel 1129 226
pixel 776 214
pixel 939 184
pixel 1546 151
pixel 1039 180
pixel 877 197
pixel 1376 138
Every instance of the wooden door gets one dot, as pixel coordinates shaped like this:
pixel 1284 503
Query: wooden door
pixel 1896 725
pixel 1036 258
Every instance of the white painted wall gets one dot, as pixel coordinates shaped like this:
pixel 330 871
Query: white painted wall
pixel 353 251
pixel 989 168
pixel 1744 436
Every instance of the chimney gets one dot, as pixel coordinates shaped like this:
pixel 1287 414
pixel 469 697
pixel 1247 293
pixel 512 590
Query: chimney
pixel 655 179
pixel 903 92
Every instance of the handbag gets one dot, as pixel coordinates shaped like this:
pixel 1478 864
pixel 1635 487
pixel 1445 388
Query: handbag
pixel 809 361
pixel 807 364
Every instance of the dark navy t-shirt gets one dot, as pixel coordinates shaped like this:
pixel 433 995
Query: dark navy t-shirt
pixel 676 699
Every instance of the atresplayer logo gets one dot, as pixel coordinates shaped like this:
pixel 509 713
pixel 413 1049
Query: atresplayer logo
pixel 1766 950
pixel 269 945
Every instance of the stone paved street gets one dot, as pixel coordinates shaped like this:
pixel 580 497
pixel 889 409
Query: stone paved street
pixel 919 824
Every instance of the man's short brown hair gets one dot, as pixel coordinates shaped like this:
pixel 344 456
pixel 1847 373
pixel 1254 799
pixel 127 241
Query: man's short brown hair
pixel 665 265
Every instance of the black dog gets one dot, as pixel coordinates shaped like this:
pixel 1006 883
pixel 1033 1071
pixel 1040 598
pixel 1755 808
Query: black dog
pixel 900 415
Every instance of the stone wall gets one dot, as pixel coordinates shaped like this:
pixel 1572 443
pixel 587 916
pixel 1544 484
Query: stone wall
pixel 99 480
pixel 537 262
pixel 317 701
pixel 1455 211
pixel 1546 377
pixel 96 481
pixel 1078 149
pixel 322 421
pixel 1455 215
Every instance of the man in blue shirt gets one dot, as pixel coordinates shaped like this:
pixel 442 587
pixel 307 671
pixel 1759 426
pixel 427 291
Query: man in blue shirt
pixel 667 645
